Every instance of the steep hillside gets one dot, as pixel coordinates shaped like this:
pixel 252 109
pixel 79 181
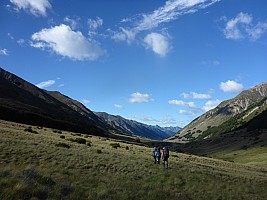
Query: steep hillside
pixel 246 144
pixel 21 101
pixel 131 127
pixel 224 112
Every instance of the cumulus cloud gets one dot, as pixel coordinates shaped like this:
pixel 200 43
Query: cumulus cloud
pixel 234 26
pixel 231 87
pixel 3 52
pixel 140 98
pixel 158 43
pixel 242 27
pixel 211 104
pixel 182 103
pixel 68 43
pixel 37 8
pixel 45 84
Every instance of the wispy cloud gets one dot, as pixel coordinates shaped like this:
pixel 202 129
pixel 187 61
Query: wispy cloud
pixel 242 26
pixel 231 87
pixel 172 10
pixel 118 106
pixel 72 22
pixel 85 101
pixel 37 8
pixel 196 95
pixel 46 84
pixel 140 98
pixel 68 43
pixel 168 121
pixel 4 52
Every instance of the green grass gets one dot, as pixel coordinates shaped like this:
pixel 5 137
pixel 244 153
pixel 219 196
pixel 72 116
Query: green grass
pixel 35 166
pixel 251 156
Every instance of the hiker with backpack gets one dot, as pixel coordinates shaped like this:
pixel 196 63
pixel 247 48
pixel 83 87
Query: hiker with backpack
pixel 156 155
pixel 165 156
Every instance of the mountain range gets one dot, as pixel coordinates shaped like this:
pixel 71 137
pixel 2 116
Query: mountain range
pixel 21 101
pixel 134 128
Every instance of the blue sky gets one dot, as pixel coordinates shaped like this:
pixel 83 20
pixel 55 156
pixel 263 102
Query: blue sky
pixel 154 61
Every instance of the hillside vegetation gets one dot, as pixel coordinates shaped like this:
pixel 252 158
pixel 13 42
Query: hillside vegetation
pixel 44 163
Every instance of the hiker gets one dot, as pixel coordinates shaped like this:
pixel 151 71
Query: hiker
pixel 156 155
pixel 165 156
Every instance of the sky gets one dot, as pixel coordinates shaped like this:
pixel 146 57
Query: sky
pixel 159 62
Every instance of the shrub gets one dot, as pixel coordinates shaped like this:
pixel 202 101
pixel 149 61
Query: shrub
pixel 78 140
pixel 115 145
pixel 98 151
pixel 62 136
pixel 29 129
pixel 63 145
pixel 127 148
pixel 81 140
pixel 57 131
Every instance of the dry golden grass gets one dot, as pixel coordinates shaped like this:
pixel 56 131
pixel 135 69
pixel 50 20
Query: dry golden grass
pixel 51 164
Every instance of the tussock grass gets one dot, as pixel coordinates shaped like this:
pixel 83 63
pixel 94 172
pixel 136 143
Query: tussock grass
pixel 34 166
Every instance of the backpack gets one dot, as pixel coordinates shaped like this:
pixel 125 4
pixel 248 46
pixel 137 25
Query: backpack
pixel 166 152
pixel 157 152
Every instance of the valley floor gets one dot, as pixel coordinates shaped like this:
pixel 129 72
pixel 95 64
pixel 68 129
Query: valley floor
pixel 42 163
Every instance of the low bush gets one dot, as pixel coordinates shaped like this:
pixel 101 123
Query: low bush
pixel 63 145
pixel 29 129
pixel 62 136
pixel 115 145
pixel 78 140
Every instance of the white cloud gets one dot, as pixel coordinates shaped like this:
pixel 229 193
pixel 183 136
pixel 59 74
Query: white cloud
pixel 185 95
pixel 171 11
pixel 4 52
pixel 168 121
pixel 65 42
pixel 61 85
pixel 242 27
pixel 231 87
pixel 140 98
pixel 182 103
pixel 85 101
pixel 45 84
pixel 118 106
pixel 124 35
pixel 234 26
pixel 95 23
pixel 200 96
pixel 21 42
pixel 189 113
pixel 195 95
pixel 211 104
pixel 72 22
pixel 148 21
pixel 158 43
pixel 257 31
pixel 35 7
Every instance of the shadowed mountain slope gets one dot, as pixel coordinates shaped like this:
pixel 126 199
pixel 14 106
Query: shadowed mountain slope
pixel 20 101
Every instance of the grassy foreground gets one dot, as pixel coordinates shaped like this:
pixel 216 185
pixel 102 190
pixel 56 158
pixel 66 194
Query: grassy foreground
pixel 41 163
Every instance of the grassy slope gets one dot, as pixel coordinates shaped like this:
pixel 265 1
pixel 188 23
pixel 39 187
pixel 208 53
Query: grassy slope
pixel 35 165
